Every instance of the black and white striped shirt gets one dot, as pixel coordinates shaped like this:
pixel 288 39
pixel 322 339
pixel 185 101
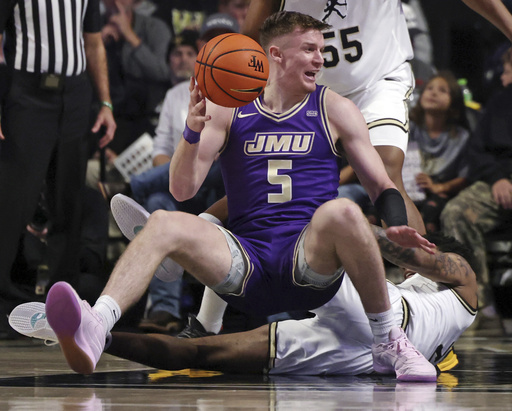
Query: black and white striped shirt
pixel 46 36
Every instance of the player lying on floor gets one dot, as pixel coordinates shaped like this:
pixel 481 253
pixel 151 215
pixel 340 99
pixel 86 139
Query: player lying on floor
pixel 435 305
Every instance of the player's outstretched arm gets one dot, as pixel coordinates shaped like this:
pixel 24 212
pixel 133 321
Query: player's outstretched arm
pixel 495 12
pixel 445 267
pixel 350 130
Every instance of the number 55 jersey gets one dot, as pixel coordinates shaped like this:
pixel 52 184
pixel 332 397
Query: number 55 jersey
pixel 368 40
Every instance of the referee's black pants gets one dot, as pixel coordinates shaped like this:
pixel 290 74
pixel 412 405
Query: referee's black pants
pixel 45 139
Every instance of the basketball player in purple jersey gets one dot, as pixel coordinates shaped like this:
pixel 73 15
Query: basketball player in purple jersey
pixel 366 52
pixel 291 242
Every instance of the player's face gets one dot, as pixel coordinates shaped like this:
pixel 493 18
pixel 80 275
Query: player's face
pixel 506 77
pixel 408 273
pixel 302 58
pixel 436 96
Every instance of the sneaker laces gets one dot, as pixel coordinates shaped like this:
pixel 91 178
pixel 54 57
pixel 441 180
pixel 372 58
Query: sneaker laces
pixel 403 344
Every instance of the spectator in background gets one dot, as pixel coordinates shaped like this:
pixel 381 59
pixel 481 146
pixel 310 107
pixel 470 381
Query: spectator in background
pixel 236 8
pixel 139 74
pixel 45 118
pixel 151 189
pixel 487 203
pixel 181 56
pixel 136 48
pixel 440 128
pixel 180 15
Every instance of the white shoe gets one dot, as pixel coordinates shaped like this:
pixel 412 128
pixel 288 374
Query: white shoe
pixel 131 217
pixel 29 319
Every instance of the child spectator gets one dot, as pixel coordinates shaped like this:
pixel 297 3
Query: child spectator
pixel 440 129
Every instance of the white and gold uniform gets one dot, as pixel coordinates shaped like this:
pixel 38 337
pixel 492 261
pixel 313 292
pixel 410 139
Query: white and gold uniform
pixel 366 59
pixel 338 339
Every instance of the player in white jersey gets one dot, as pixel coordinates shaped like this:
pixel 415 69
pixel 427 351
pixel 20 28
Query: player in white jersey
pixel 368 42
pixel 337 340
pixel 323 345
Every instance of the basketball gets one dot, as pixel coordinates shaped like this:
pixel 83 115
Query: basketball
pixel 231 70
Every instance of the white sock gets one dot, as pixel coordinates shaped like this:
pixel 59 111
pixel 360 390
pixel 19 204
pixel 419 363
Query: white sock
pixel 109 310
pixel 211 311
pixel 381 324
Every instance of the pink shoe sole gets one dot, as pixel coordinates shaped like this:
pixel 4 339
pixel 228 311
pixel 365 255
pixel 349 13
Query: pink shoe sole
pixel 417 378
pixel 64 314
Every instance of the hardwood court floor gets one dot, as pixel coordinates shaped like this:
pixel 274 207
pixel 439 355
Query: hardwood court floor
pixel 35 377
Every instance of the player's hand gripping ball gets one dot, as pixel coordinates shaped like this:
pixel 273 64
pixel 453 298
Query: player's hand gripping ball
pixel 231 70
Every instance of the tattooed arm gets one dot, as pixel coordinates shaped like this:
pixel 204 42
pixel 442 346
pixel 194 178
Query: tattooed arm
pixel 444 267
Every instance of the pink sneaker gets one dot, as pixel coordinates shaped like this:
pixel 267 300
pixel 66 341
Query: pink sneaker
pixel 399 355
pixel 77 326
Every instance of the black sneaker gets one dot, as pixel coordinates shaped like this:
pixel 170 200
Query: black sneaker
pixel 194 329
pixel 161 322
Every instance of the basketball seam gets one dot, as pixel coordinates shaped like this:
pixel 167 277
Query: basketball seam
pixel 207 60
pixel 232 71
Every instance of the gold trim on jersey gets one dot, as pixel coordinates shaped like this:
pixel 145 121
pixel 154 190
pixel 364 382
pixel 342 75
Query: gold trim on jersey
pixel 394 121
pixel 280 117
pixel 325 122
pixel 406 314
pixel 233 116
pixel 272 347
pixel 471 310
pixel 389 122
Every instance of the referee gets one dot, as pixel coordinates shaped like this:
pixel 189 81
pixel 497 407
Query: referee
pixel 52 49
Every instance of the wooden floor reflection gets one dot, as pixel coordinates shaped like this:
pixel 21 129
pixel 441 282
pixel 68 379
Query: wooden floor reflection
pixel 35 377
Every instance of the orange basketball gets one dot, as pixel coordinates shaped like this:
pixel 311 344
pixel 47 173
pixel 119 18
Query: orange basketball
pixel 231 70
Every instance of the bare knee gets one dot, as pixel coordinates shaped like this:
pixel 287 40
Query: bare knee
pixel 166 226
pixel 339 214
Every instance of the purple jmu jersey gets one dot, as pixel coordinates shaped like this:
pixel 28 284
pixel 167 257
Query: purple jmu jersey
pixel 278 168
